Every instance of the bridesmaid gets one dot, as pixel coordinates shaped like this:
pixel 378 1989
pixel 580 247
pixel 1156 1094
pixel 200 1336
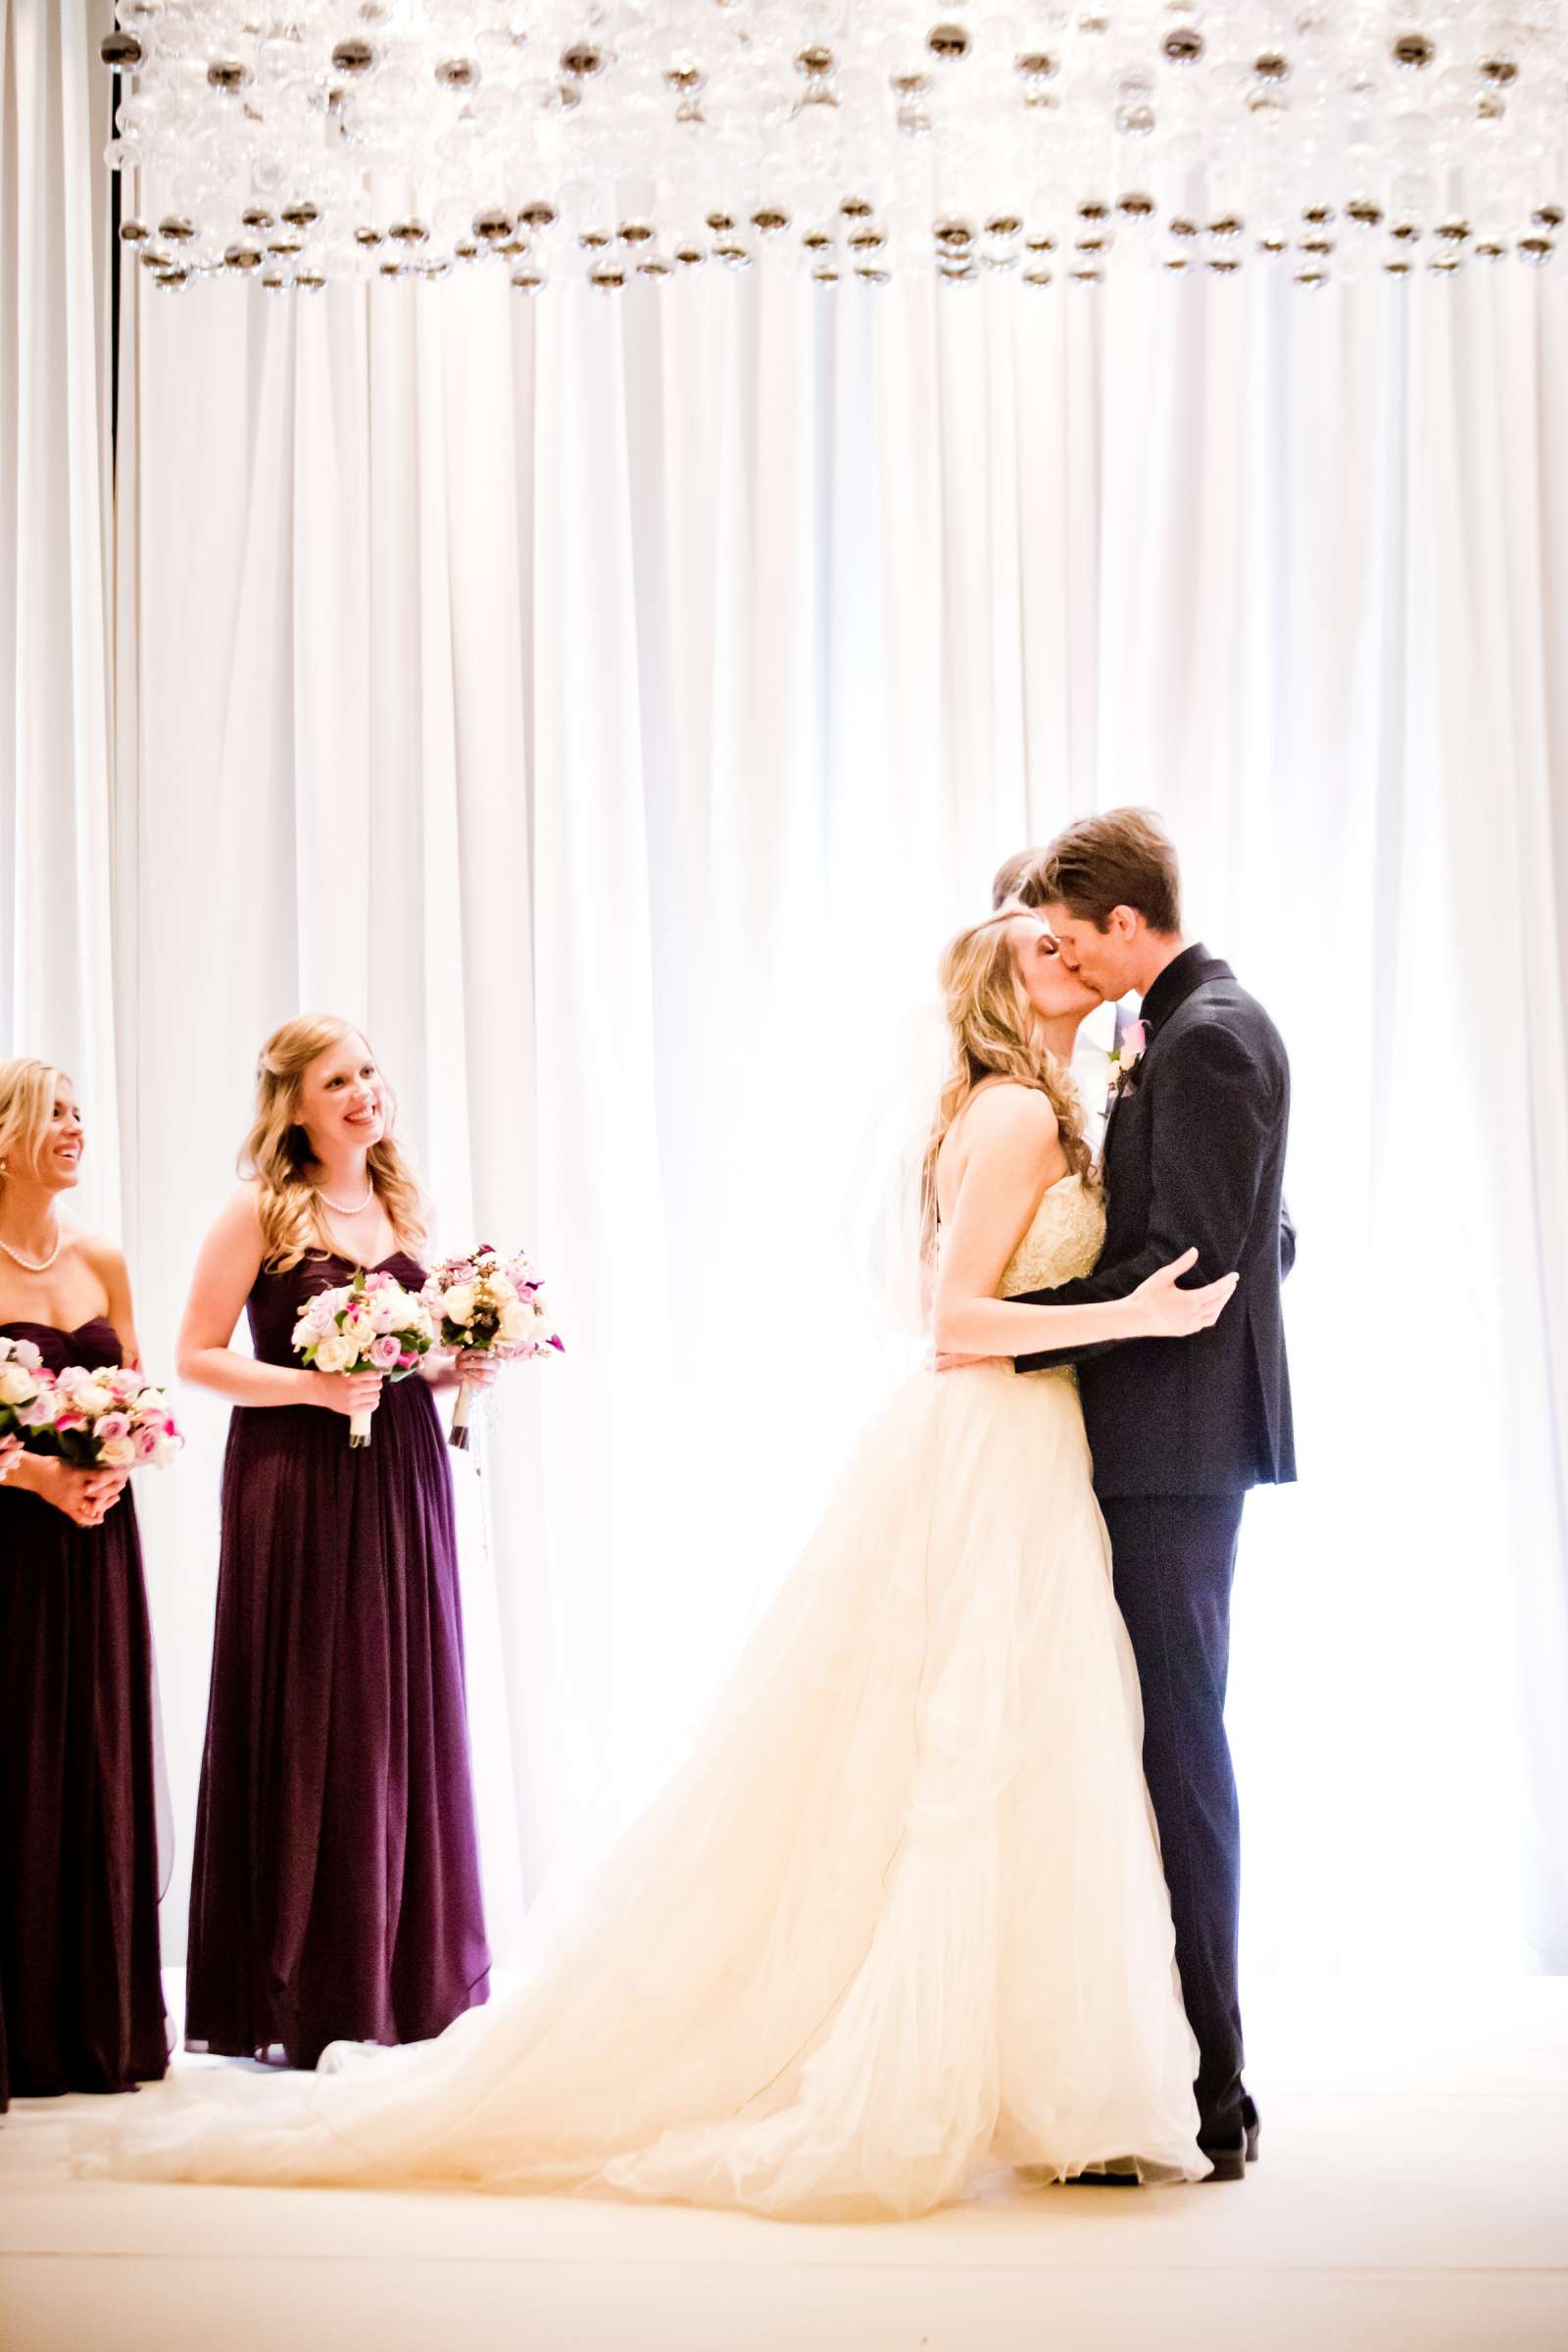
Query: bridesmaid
pixel 81 1999
pixel 335 1893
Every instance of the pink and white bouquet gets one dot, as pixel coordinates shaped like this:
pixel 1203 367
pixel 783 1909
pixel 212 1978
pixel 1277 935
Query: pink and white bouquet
pixel 371 1324
pixel 112 1419
pixel 25 1389
pixel 488 1304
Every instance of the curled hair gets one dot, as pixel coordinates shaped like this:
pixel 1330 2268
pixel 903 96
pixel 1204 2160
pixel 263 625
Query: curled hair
pixel 992 1032
pixel 277 1152
pixel 27 1091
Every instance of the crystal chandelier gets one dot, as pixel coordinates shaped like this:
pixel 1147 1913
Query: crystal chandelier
pixel 299 142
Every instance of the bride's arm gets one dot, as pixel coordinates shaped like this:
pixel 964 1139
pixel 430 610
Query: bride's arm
pixel 1013 1153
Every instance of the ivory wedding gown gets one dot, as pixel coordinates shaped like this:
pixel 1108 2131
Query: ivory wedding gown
pixel 899 1921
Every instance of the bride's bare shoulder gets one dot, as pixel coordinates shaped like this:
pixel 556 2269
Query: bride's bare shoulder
pixel 1007 1112
pixel 1005 1130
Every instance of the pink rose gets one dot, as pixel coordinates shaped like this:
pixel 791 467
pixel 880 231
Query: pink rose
pixel 385 1353
pixel 112 1427
pixel 69 1422
pixel 408 1358
pixel 148 1442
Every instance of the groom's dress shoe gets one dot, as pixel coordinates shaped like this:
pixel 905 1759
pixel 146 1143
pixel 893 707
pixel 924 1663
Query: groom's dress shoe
pixel 1250 2128
pixel 1229 2164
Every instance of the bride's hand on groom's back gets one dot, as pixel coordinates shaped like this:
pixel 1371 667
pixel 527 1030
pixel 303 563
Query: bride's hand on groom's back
pixel 1167 1312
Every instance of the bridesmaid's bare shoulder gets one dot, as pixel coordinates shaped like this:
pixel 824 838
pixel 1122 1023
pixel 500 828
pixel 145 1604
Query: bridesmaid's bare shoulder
pixel 106 1258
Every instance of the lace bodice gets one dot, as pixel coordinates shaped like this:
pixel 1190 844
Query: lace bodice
pixel 1065 1239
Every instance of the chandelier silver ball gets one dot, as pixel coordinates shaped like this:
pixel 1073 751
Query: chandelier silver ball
pixel 1412 52
pixel 353 58
pixel 1184 46
pixel 229 76
pixel 458 73
pixel 950 42
pixel 122 52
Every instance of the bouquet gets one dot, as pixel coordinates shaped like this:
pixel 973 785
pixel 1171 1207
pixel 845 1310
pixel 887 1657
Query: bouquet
pixel 488 1304
pixel 25 1391
pixel 371 1324
pixel 113 1418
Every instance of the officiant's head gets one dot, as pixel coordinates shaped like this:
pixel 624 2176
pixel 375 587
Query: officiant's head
pixel 1110 888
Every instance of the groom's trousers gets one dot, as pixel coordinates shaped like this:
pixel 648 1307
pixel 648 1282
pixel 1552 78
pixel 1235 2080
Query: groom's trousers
pixel 1174 1556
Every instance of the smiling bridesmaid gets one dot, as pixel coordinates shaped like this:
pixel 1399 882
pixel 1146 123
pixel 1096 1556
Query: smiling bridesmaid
pixel 335 1893
pixel 81 2000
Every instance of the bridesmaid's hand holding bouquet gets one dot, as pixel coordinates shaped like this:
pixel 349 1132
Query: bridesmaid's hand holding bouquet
pixel 486 1306
pixel 371 1326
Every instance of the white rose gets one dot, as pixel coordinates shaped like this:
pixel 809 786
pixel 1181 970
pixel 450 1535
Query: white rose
pixel 517 1322
pixel 458 1305
pixel 335 1352
pixel 117 1453
pixel 17 1384
pixel 93 1398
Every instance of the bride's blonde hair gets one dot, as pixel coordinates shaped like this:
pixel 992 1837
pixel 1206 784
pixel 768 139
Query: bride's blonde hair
pixel 994 1032
pixel 277 1152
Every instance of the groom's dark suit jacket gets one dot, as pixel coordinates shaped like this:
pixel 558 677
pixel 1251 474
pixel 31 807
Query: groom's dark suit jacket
pixel 1195 1157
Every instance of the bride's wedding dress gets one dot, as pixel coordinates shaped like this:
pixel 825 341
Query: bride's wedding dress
pixel 899 1921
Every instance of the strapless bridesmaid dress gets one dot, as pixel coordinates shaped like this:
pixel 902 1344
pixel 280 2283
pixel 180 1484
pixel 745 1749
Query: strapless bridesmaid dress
pixel 335 1893
pixel 81 1999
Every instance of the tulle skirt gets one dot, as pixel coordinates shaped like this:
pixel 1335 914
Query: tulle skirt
pixel 899 1921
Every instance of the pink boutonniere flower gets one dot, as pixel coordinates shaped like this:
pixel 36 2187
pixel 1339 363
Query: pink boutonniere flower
pixel 1125 1056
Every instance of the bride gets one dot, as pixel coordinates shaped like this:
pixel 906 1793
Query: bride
pixel 900 1920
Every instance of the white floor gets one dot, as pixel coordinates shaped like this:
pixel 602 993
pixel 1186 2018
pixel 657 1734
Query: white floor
pixel 1412 2197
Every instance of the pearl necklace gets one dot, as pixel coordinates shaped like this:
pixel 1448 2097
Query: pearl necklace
pixel 339 1208
pixel 34 1265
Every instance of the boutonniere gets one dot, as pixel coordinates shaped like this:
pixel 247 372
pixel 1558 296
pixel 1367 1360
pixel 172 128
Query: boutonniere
pixel 1125 1056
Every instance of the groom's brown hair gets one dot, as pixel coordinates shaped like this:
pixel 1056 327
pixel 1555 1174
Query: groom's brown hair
pixel 1123 858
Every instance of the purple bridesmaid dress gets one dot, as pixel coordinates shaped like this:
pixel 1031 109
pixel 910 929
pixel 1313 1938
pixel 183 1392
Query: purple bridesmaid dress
pixel 81 1999
pixel 335 1891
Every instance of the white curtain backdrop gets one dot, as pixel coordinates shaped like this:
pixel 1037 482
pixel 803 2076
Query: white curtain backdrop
pixel 55 936
pixel 613 704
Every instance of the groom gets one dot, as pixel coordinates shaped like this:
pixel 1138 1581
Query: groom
pixel 1180 1429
